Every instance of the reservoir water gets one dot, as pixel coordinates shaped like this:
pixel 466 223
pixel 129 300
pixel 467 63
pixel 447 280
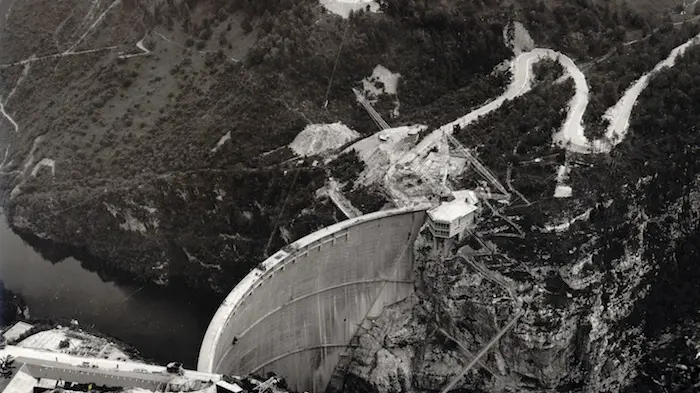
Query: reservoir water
pixel 163 324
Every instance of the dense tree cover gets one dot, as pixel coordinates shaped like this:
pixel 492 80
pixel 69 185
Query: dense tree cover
pixel 662 140
pixel 675 294
pixel 435 49
pixel 155 150
pixel 547 70
pixel 193 223
pixel 582 28
pixel 609 79
pixel 367 199
pixel 130 128
pixel 669 315
pixel 519 132
pixel 346 167
pixel 672 367
pixel 456 103
pixel 657 163
pixel 662 146
pixel 258 7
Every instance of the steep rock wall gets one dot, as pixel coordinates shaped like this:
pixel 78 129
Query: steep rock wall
pixel 583 331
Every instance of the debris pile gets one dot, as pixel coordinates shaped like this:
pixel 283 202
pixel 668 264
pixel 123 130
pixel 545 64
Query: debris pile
pixel 317 139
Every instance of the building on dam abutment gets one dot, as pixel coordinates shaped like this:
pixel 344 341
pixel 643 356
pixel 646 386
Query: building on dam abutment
pixel 296 314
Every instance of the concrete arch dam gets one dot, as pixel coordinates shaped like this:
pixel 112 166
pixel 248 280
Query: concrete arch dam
pixel 297 312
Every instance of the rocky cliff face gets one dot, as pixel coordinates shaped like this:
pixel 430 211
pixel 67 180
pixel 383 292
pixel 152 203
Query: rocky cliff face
pixel 584 328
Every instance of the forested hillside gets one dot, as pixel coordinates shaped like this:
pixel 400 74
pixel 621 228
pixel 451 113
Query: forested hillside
pixel 520 131
pixel 197 121
pixel 151 139
pixel 130 106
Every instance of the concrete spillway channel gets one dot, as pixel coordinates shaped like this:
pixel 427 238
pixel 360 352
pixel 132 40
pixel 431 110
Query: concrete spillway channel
pixel 297 313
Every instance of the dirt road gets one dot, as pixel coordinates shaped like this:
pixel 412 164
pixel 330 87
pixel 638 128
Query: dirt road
pixel 521 69
pixel 619 114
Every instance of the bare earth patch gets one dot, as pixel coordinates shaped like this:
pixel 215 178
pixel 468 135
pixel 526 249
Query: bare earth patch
pixel 319 138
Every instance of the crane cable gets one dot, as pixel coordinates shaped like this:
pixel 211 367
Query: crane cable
pixel 335 65
pixel 279 216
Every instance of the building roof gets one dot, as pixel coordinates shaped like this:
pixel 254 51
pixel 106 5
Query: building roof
pixel 22 382
pixel 16 330
pixel 465 202
pixel 47 383
pixel 231 387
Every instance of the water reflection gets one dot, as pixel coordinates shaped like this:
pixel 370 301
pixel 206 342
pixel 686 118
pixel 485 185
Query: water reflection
pixel 164 324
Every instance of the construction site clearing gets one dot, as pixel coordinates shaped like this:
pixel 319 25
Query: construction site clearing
pixel 70 360
pixel 463 223
pixel 72 342
pixel 412 171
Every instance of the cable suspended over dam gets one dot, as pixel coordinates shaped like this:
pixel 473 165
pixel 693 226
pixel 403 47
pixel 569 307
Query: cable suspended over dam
pixel 297 312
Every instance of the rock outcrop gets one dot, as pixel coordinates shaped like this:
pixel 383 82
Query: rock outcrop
pixel 581 331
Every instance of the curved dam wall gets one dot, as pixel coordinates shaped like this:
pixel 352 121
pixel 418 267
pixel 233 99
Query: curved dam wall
pixel 296 313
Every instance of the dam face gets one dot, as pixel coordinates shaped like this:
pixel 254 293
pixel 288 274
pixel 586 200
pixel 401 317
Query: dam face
pixel 296 314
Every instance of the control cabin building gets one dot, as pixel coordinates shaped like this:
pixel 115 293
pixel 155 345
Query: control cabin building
pixel 450 219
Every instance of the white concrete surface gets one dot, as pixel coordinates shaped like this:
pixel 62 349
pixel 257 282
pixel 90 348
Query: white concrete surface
pixel 344 7
pixel 40 357
pixel 22 382
pixel 80 344
pixel 461 206
pixel 49 340
pixel 317 139
pixel 16 330
pixel 298 310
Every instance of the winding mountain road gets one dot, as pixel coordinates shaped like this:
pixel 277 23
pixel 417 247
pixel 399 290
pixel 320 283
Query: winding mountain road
pixel 521 69
pixel 619 114
pixel 571 135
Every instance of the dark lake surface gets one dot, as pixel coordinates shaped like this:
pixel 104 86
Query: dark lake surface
pixel 162 323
